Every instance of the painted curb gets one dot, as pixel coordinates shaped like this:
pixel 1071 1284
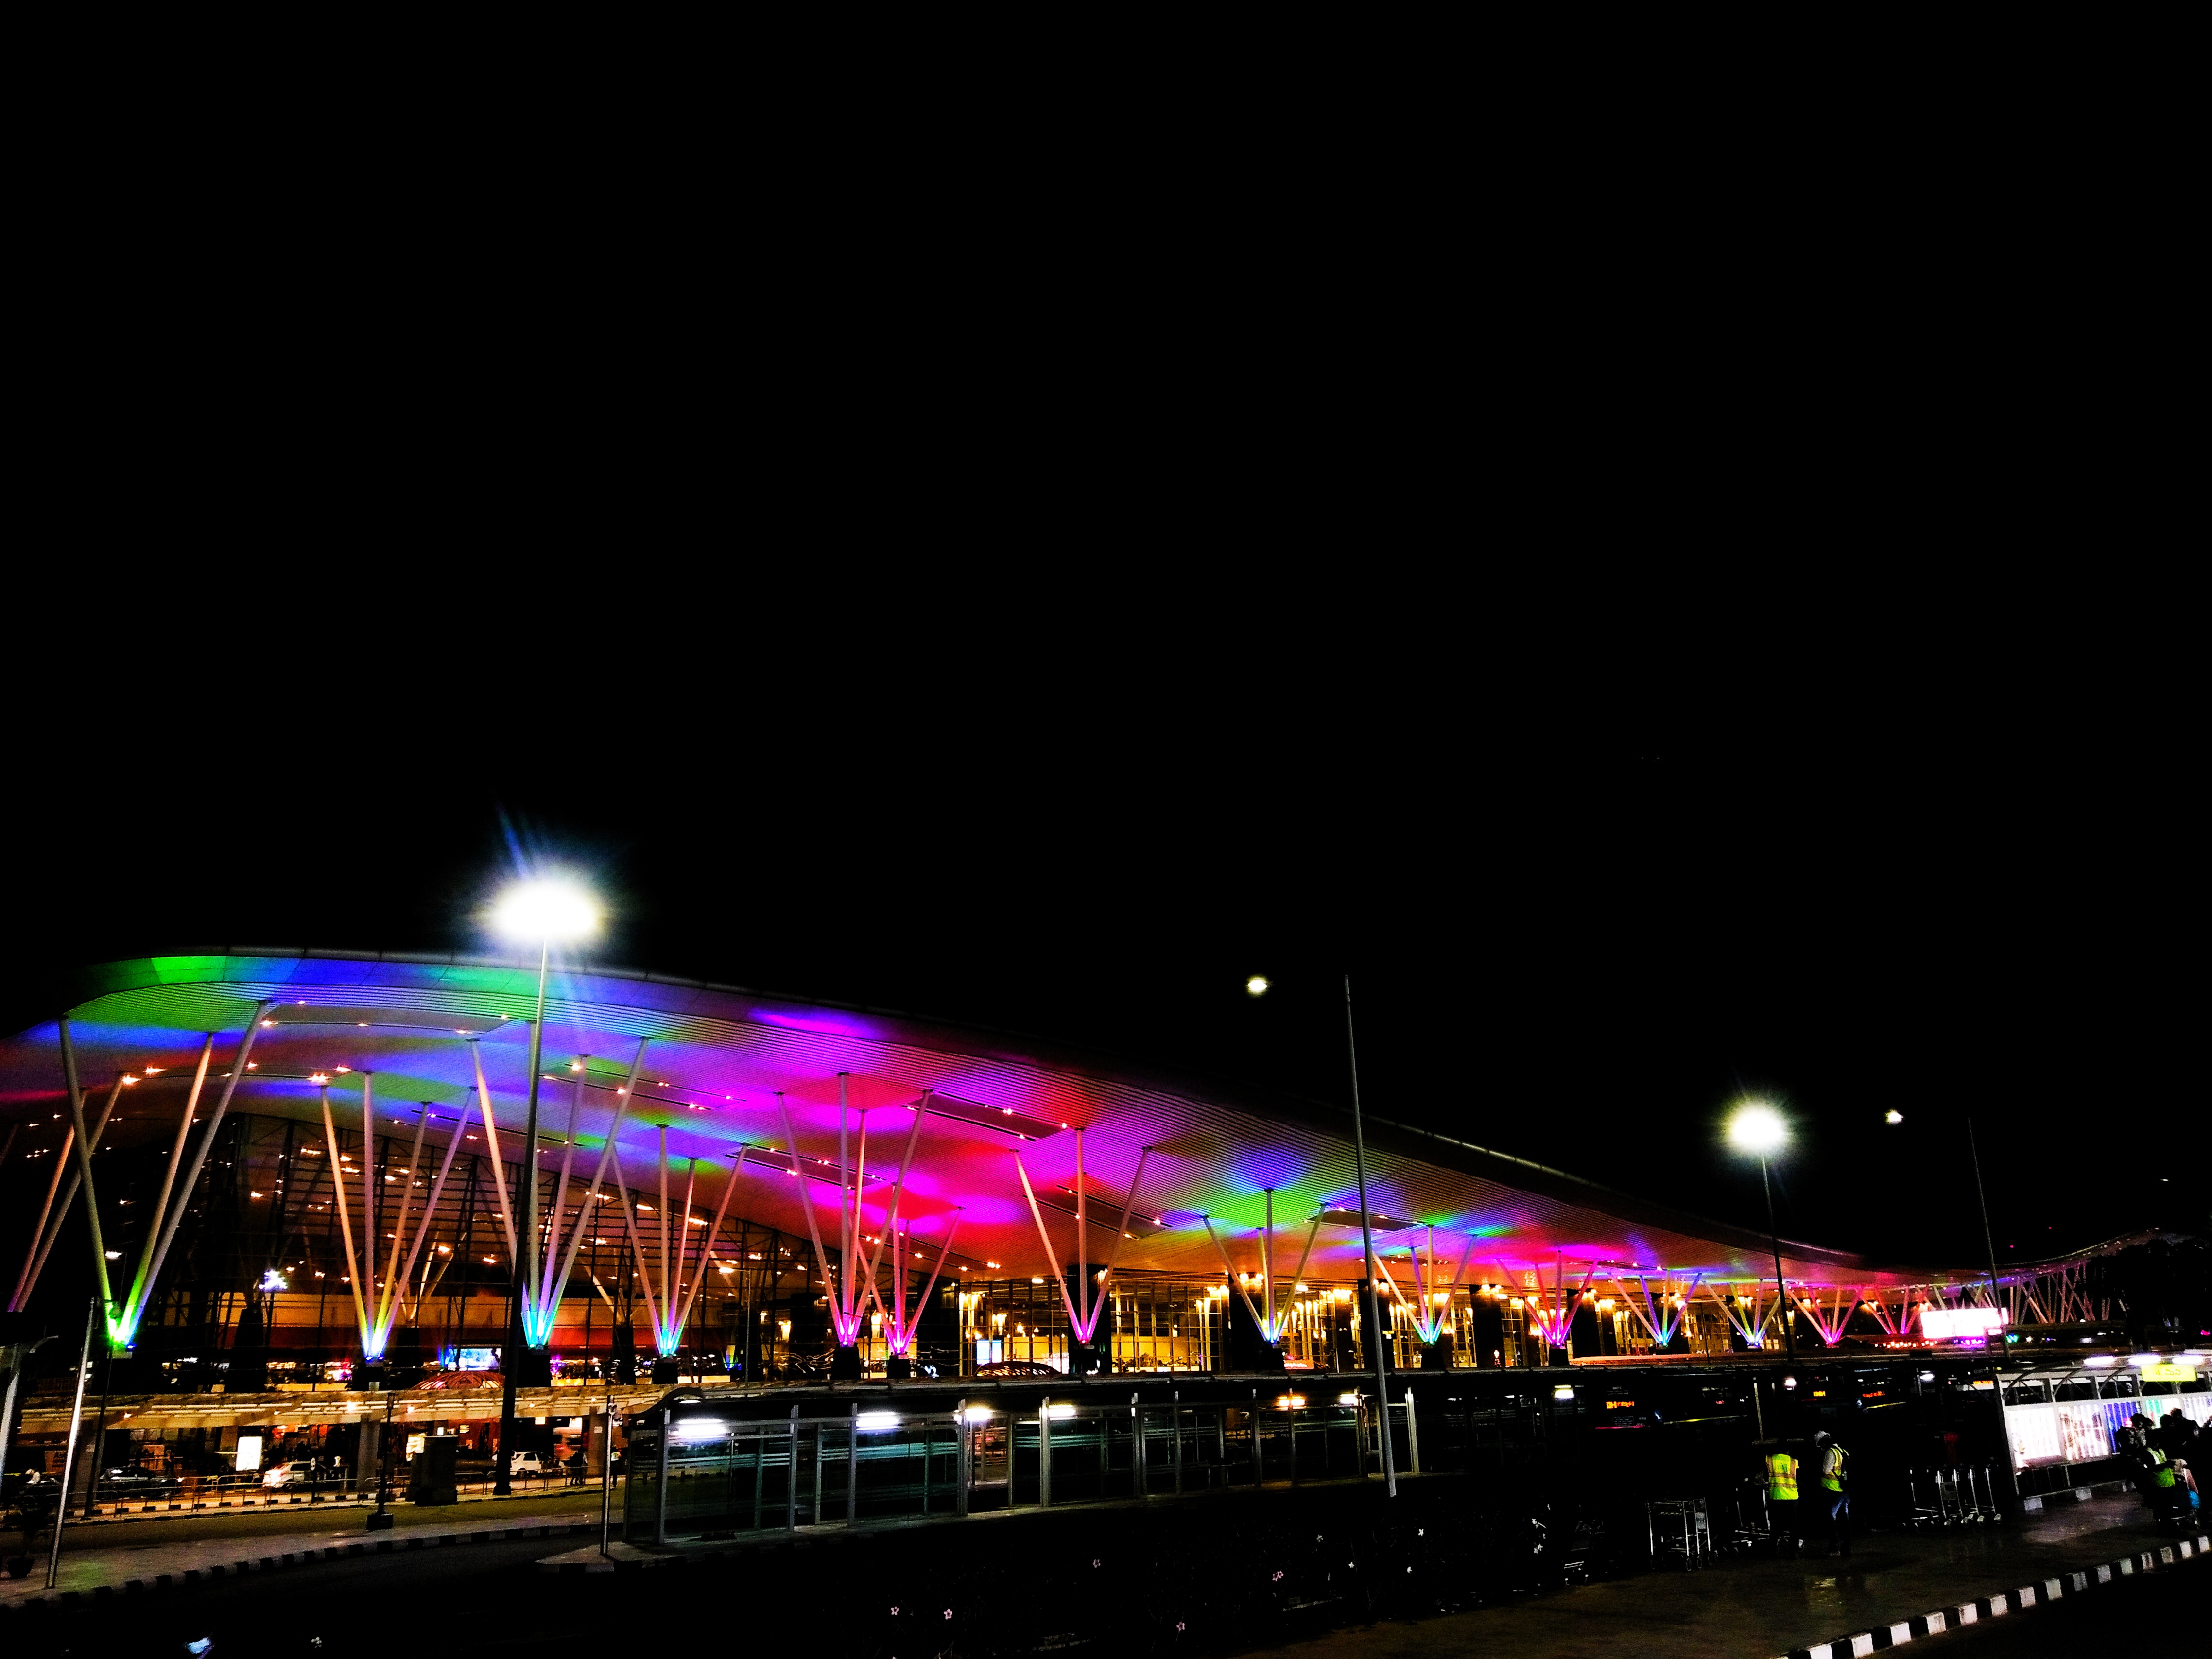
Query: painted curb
pixel 2017 1600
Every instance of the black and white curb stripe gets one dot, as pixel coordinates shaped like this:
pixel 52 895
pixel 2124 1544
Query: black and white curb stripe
pixel 2013 1600
pixel 295 1559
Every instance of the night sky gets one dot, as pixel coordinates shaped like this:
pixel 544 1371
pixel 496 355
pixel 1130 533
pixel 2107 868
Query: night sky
pixel 1576 938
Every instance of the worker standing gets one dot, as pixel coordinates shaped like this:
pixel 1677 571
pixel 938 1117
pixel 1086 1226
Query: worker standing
pixel 1782 1498
pixel 1835 1500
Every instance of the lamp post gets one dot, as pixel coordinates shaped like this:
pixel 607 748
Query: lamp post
pixel 1367 1260
pixel 1757 1128
pixel 540 911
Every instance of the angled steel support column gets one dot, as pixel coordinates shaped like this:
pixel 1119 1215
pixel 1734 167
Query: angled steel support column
pixel 84 1167
pixel 69 1456
pixel 134 1301
pixel 238 1067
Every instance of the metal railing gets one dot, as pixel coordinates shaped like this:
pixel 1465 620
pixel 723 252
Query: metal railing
pixel 711 1478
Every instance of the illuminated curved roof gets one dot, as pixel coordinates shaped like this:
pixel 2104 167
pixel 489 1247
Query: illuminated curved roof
pixel 717 1056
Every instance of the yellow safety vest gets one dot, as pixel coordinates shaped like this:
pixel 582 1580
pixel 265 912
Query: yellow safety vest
pixel 1782 1476
pixel 2163 1476
pixel 1831 1469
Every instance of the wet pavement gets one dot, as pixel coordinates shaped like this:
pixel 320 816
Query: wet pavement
pixel 1760 1608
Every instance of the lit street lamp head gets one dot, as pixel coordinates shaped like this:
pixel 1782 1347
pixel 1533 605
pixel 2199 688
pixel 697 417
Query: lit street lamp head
pixel 548 909
pixel 1757 1127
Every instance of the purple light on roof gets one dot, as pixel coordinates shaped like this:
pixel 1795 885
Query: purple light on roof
pixel 821 1023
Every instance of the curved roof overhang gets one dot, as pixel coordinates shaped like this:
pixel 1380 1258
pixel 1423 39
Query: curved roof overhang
pixel 717 1057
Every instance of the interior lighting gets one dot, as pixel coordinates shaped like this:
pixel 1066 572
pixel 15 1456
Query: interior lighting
pixel 1347 1399
pixel 976 1414
pixel 878 1422
pixel 1061 1410
pixel 695 1429
pixel 2100 1358
pixel 1562 1392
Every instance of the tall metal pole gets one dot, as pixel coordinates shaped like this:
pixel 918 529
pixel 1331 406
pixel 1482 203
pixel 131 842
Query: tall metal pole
pixel 69 1456
pixel 1789 1342
pixel 525 1254
pixel 99 1426
pixel 1989 1238
pixel 1367 1247
pixel 607 1467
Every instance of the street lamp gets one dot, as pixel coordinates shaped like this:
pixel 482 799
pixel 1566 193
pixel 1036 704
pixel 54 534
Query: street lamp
pixel 537 912
pixel 1756 1128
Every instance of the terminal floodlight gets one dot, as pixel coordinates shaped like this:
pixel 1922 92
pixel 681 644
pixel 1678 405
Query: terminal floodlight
pixel 546 909
pixel 1756 1128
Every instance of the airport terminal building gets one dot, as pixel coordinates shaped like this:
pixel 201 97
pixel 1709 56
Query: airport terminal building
pixel 298 1198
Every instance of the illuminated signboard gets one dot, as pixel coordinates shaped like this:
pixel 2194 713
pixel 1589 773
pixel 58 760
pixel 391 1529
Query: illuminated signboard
pixel 2167 1372
pixel 1953 1323
pixel 249 1453
pixel 477 1359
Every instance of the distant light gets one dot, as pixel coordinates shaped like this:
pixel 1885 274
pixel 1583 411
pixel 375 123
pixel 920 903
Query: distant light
pixel 1347 1399
pixel 1061 1410
pixel 272 1280
pixel 531 911
pixel 115 1256
pixel 1789 1382
pixel 318 1076
pixel 1563 1393
pixel 1892 1115
pixel 2099 1358
pixel 1757 1127
pixel 700 1428
pixel 976 1414
pixel 1256 985
pixel 878 1422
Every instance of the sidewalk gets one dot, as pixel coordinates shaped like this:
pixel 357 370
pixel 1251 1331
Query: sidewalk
pixel 1759 1608
pixel 116 1567
pixel 261 1501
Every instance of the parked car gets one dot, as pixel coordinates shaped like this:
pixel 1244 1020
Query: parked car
pixel 133 1480
pixel 301 1472
pixel 544 1465
pixel 1019 1368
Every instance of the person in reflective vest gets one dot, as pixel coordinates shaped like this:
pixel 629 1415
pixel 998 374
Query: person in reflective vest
pixel 1782 1496
pixel 1835 1501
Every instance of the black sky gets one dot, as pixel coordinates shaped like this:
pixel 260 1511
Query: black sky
pixel 1579 923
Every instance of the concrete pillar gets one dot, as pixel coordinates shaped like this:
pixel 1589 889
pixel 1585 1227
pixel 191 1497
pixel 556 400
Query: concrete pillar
pixel 370 1459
